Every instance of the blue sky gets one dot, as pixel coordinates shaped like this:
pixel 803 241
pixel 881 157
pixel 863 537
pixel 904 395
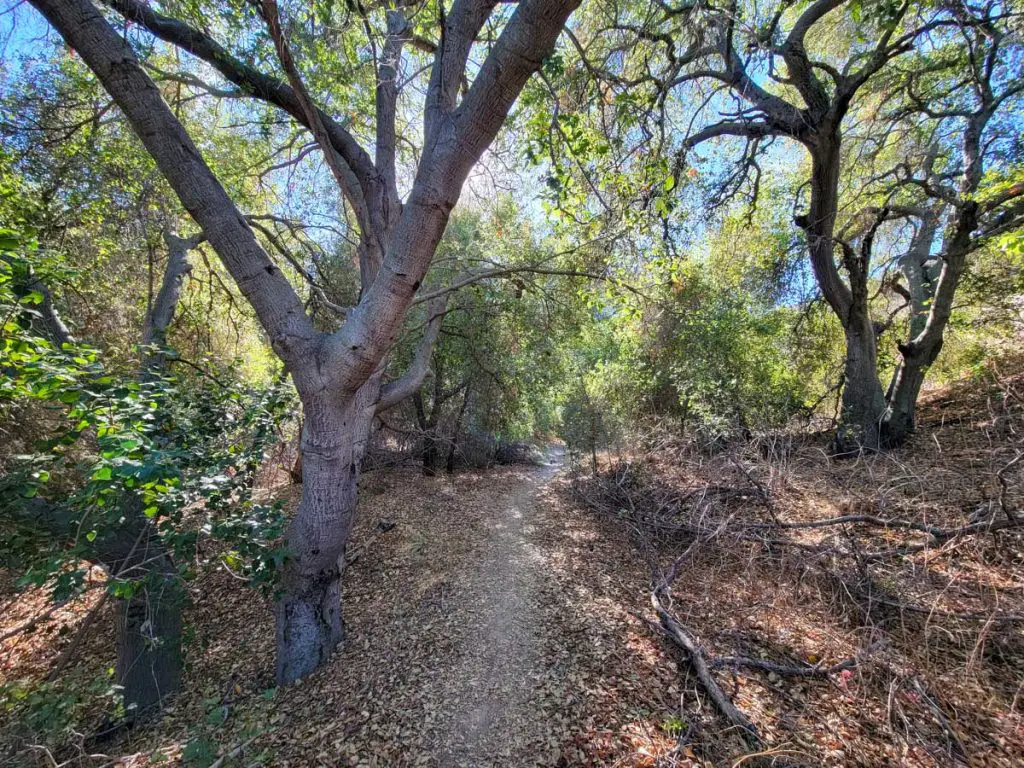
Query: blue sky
pixel 21 30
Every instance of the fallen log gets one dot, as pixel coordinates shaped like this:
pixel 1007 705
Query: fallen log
pixel 784 670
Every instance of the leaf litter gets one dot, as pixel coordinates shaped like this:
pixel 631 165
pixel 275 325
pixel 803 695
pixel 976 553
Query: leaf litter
pixel 501 622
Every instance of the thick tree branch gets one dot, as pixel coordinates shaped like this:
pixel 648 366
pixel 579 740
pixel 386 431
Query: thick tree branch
pixel 159 317
pixel 251 80
pixel 751 129
pixel 410 382
pixel 354 352
pixel 112 60
pixel 387 102
pixel 794 53
pixel 342 172
pixel 459 29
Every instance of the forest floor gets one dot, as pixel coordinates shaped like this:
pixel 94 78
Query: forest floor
pixel 489 627
pixel 505 619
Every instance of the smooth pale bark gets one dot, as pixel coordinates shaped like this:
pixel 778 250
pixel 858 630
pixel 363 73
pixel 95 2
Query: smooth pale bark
pixel 923 348
pixel 161 314
pixel 110 57
pixel 49 318
pixel 970 223
pixel 150 658
pixel 44 315
pixel 899 420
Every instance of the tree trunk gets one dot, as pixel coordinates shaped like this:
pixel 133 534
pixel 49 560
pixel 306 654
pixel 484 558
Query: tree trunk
pixel 149 655
pixel 863 399
pixel 161 313
pixel 428 429
pixel 309 619
pixel 908 378
pixel 295 472
pixel 450 463
pixel 923 348
pixel 899 420
pixel 430 453
pixel 149 631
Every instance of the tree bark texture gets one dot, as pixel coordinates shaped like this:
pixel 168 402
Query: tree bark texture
pixel 309 620
pixel 863 400
pixel 149 640
pixel 161 314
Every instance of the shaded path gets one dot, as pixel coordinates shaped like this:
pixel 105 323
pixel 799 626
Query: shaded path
pixel 487 628
pixel 492 683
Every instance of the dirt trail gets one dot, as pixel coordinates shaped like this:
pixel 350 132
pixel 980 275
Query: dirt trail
pixel 488 691
pixel 489 627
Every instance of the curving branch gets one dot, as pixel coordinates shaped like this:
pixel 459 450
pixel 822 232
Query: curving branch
pixel 342 172
pixel 351 355
pixel 459 29
pixel 794 53
pixel 409 383
pixel 161 313
pixel 252 81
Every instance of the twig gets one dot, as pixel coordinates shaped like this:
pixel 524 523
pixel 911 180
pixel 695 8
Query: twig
pixel 31 623
pixel 383 526
pixel 789 671
pixel 936 710
pixel 937 534
pixel 700 666
pixel 237 750
pixel 773 752
pixel 68 653
pixel 1004 488
pixel 967 615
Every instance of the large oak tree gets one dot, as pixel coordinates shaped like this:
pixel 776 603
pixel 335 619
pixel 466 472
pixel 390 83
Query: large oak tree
pixel 823 75
pixel 339 374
